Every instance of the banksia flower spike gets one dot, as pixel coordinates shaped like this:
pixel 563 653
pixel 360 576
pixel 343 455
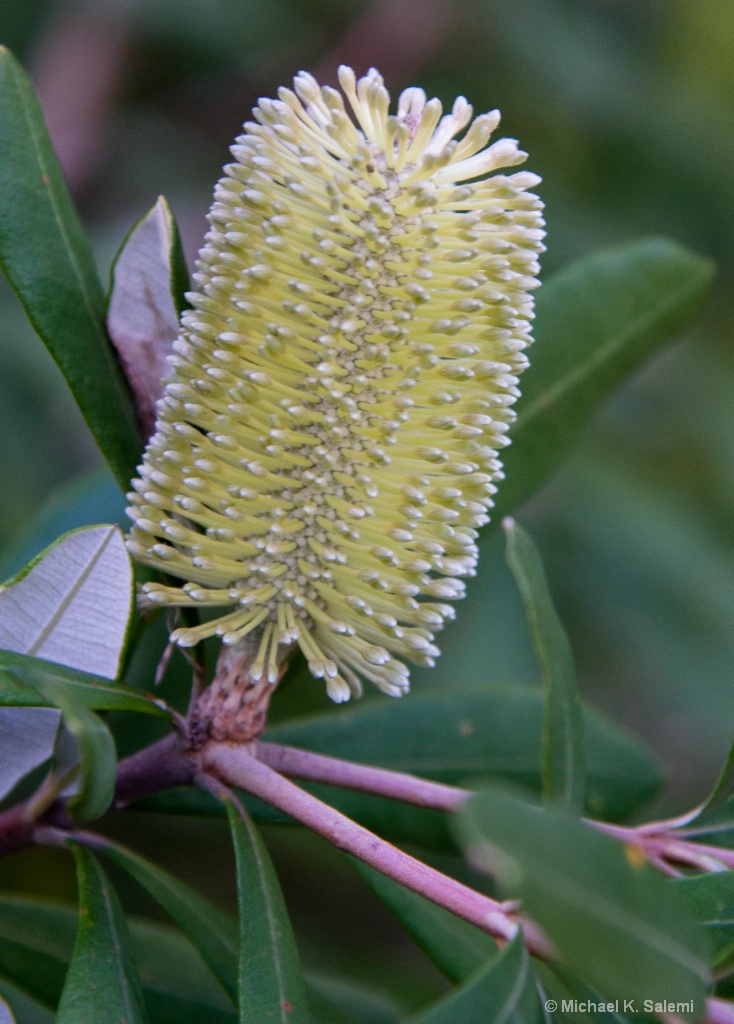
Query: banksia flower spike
pixel 328 441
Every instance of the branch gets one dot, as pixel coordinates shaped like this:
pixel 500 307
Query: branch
pixel 303 764
pixel 162 765
pixel 236 767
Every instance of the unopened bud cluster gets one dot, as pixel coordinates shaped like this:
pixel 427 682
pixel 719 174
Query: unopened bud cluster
pixel 327 445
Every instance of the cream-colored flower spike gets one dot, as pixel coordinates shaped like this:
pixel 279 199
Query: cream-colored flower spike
pixel 328 442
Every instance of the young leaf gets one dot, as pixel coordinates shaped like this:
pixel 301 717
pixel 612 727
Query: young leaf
pixel 72 604
pixel 98 757
pixel 144 307
pixel 587 896
pixel 564 768
pixel 91 691
pixel 102 985
pixel 27 739
pixel 214 935
pixel 457 948
pixel 462 735
pixel 270 984
pixel 492 996
pixel 48 261
pixel 596 322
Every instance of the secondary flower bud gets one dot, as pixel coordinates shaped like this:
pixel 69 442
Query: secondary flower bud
pixel 328 442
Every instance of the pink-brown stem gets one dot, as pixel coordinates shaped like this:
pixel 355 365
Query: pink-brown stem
pixel 719 1012
pixel 236 767
pixel 303 764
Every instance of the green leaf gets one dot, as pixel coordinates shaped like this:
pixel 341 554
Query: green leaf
pixel 37 938
pixel 148 278
pixel 616 924
pixel 576 1003
pixel 457 948
pixel 92 692
pixel 47 259
pixel 711 898
pixel 270 983
pixel 102 985
pixel 468 734
pixel 72 604
pixel 213 934
pixel 97 754
pixel 596 322
pixel 564 767
pixel 723 788
pixel 492 996
pixel 336 1001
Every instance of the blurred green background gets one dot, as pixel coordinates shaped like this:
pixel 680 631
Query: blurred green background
pixel 626 107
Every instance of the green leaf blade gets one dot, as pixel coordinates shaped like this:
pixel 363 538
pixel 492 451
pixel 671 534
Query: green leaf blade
pixel 21 674
pixel 711 898
pixel 102 986
pixel 596 322
pixel 723 788
pixel 212 934
pixel 47 259
pixel 457 948
pixel 564 759
pixel 579 887
pixel 97 752
pixel 271 985
pixel 493 996
pixel 36 943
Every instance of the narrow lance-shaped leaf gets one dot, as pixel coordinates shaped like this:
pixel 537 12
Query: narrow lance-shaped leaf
pixel 36 942
pixel 596 322
pixel 564 767
pixel 457 948
pixel 102 985
pixel 271 986
pixel 587 896
pixel 492 996
pixel 148 278
pixel 72 604
pixel 19 673
pixel 48 261
pixel 97 754
pixel 723 788
pixel 214 935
